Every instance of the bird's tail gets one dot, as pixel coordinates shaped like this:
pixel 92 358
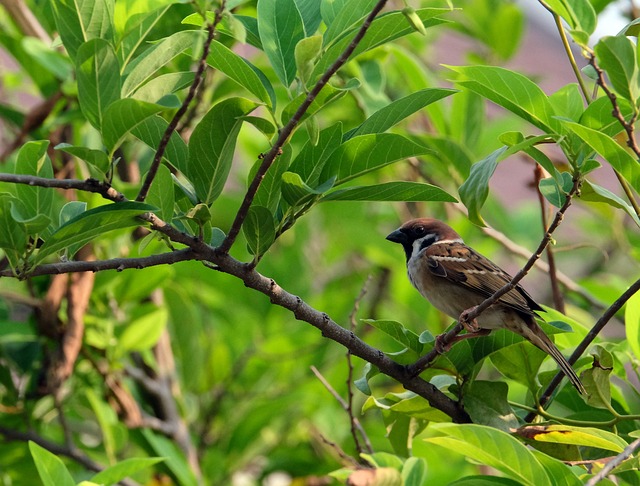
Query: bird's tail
pixel 538 337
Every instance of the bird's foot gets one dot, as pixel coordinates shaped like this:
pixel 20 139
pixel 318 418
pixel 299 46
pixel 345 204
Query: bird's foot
pixel 470 325
pixel 441 345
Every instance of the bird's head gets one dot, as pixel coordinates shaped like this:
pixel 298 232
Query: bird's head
pixel 418 234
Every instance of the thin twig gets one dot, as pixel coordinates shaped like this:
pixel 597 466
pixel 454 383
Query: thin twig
pixel 88 185
pixel 118 264
pixel 353 421
pixel 166 136
pixel 586 342
pixel 287 130
pixel 558 301
pixel 356 426
pixel 443 340
pixel 617 113
pixel 613 463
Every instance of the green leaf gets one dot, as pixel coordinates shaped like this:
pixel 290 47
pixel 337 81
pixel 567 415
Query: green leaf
pixel 281 28
pixel 71 210
pixel 51 469
pixel 555 191
pixel 512 91
pixel 161 193
pixel 599 117
pixel 366 153
pixel 33 160
pixel 494 448
pixel 477 480
pixel 579 14
pixel 151 130
pixel 616 55
pixel 13 237
pixel 414 472
pixel 125 468
pixel 98 76
pixel 312 158
pixel 561 473
pixel 294 188
pixel 391 191
pixel 597 379
pixel 173 458
pixel 362 383
pixel 143 332
pixel 121 117
pixel 613 153
pixel 212 144
pixel 348 14
pixel 156 56
pixel 259 230
pixel 310 14
pixel 107 420
pixel 486 403
pixel 98 161
pixel 305 53
pixel 139 22
pixel 78 21
pixel 91 224
pixel 31 224
pixel 632 323
pixel 594 193
pixel 519 362
pixel 474 191
pixel 580 436
pixel 162 86
pixel 48 57
pixel 385 28
pixel 241 71
pixel 398 110
pixel 398 332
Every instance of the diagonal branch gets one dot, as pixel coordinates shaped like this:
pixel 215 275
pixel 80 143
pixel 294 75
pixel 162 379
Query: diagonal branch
pixel 287 130
pixel 613 463
pixel 166 136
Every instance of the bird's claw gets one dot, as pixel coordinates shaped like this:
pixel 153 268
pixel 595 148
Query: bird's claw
pixel 472 325
pixel 440 345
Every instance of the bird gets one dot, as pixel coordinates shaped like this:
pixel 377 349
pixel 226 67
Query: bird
pixel 455 278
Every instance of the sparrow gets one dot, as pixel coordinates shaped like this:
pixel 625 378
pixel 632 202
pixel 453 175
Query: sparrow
pixel 456 278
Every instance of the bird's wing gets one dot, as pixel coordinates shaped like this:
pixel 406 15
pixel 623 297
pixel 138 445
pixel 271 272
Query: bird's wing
pixel 463 266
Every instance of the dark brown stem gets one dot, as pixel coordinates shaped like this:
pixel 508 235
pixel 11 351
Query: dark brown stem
pixel 586 342
pixel 287 130
pixel 558 301
pixel 166 136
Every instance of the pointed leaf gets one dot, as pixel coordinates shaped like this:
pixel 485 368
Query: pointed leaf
pixel 366 153
pixel 51 469
pixel 311 160
pixel 580 436
pixel 398 332
pixel 398 110
pixel 151 130
pixel 391 191
pixel 33 160
pixel 486 402
pixel 259 229
pixel 617 56
pixel 474 191
pixel 98 75
pixel 161 193
pixel 97 159
pixel 121 117
pixel 212 144
pixel 162 86
pixel 157 56
pixel 281 28
pixel 125 468
pixel 494 448
pixel 91 224
pixel 594 193
pixel 632 323
pixel 78 21
pixel 240 70
pixel 512 91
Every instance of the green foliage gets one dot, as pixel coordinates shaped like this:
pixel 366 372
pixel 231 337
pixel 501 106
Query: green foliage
pixel 180 374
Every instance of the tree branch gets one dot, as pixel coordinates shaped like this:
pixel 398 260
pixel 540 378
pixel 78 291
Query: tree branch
pixel 287 130
pixel 118 264
pixel 613 463
pixel 88 185
pixel 166 136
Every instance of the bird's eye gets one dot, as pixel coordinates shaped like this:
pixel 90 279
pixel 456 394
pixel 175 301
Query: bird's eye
pixel 419 230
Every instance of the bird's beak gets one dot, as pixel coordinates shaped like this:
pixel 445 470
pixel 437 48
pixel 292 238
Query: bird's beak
pixel 397 237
